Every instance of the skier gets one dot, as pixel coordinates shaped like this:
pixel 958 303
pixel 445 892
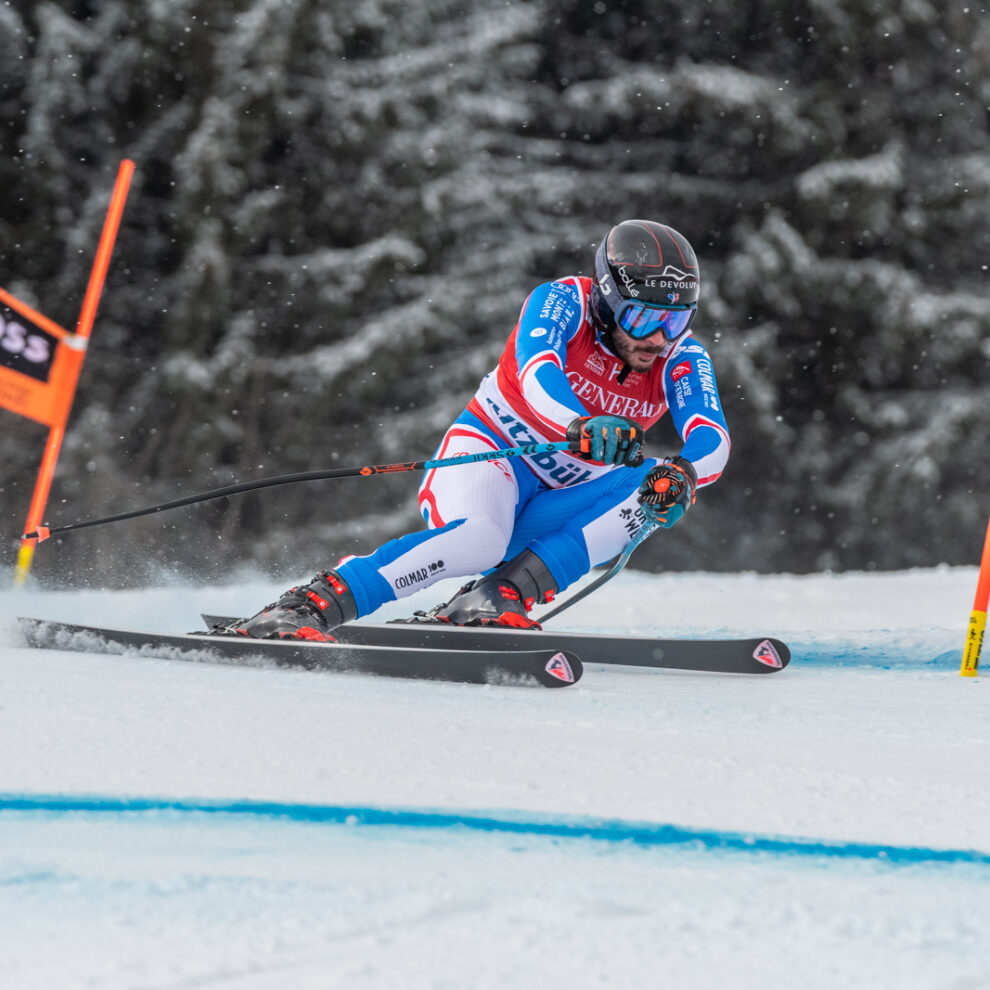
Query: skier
pixel 596 360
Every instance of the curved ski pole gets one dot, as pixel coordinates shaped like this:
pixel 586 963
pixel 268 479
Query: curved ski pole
pixel 617 565
pixel 43 532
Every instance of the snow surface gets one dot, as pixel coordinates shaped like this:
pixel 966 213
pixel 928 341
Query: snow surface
pixel 869 739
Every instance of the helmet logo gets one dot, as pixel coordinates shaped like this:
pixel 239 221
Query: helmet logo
pixel 676 273
pixel 628 282
pixel 603 283
pixel 673 296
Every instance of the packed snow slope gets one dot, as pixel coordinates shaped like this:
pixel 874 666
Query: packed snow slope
pixel 829 821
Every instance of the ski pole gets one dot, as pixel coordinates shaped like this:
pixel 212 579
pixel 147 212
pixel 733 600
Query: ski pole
pixel 529 449
pixel 617 565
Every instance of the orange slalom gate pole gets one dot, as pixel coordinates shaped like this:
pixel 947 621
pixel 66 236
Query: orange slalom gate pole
pixel 978 617
pixel 38 501
pixel 87 315
pixel 110 227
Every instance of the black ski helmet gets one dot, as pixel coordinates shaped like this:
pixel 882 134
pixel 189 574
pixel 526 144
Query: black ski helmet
pixel 647 262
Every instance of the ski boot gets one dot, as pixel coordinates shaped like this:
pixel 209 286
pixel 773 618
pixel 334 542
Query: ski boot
pixel 502 598
pixel 308 612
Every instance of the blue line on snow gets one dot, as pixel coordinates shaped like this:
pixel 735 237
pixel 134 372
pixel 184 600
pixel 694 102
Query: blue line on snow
pixel 872 656
pixel 604 830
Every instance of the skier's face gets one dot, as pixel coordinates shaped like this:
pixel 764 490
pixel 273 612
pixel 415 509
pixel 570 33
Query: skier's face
pixel 639 354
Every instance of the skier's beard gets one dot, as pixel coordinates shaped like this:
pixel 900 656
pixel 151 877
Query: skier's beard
pixel 640 355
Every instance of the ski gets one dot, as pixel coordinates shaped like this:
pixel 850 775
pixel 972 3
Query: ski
pixel 536 663
pixel 726 656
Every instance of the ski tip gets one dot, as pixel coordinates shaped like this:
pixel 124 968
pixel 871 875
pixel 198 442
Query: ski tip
pixel 772 654
pixel 561 670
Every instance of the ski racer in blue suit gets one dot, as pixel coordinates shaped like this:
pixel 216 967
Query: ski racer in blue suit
pixel 596 360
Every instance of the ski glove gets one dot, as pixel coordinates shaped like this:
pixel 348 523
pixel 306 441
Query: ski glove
pixel 667 492
pixel 607 439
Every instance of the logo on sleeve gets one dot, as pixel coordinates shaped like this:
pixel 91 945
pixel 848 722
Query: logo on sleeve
pixel 680 370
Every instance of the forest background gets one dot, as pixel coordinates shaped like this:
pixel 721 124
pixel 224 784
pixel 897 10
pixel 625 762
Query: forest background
pixel 340 206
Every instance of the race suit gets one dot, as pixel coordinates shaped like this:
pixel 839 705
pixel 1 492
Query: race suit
pixel 572 513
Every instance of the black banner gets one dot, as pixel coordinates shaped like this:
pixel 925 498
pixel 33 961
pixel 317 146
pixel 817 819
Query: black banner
pixel 25 347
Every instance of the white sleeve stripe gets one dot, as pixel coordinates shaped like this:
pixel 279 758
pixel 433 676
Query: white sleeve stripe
pixel 695 421
pixel 548 410
pixel 709 472
pixel 710 466
pixel 530 365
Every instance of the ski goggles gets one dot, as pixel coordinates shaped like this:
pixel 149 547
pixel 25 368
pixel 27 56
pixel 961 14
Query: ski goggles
pixel 641 320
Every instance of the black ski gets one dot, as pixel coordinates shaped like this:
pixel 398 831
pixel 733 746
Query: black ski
pixel 727 656
pixel 536 663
